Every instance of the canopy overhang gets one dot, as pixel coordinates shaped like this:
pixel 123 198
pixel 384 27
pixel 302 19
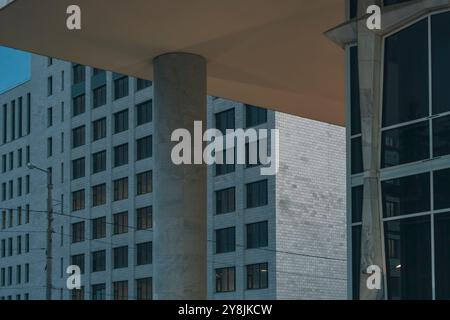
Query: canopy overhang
pixel 270 53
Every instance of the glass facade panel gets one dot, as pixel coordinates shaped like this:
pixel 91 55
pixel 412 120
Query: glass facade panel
pixel 406 195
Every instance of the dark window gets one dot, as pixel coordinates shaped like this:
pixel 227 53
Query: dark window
pixel 257 235
pixel 49 147
pixel 98 195
pixel 144 183
pixel 357 161
pixel 78 202
pixel 257 194
pixel 226 240
pixel 78 168
pixel 99 129
pixel 49 117
pixel 77 232
pixel 144 218
pixel 120 255
pixel 99 261
pixel 356 260
pixel 144 113
pixel 78 260
pixel 120 223
pixel 144 289
pixel 441 181
pixel 120 88
pixel 99 96
pixel 79 74
pixel 120 189
pixel 257 276
pixel 254 116
pixel 225 201
pixel 99 162
pixel 406 75
pixel 120 290
pixel 354 91
pixel 78 137
pixel 405 144
pixel 408 258
pixel 143 253
pixel 225 120
pixel 99 228
pixel 226 279
pixel 79 105
pixel 49 86
pixel 121 121
pixel 99 292
pixel 144 148
pixel 442 255
pixel 406 195
pixel 78 294
pixel 142 84
pixel 121 155
pixel 357 203
pixel 441 136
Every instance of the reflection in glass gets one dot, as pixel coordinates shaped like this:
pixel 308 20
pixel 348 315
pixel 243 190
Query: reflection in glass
pixel 441 190
pixel 408 258
pixel 440 50
pixel 405 86
pixel 357 162
pixel 441 136
pixel 406 195
pixel 405 144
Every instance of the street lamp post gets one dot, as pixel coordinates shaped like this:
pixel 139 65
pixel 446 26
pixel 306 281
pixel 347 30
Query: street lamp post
pixel 49 228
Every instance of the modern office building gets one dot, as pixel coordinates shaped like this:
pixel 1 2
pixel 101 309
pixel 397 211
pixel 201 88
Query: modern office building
pixel 398 155
pixel 268 237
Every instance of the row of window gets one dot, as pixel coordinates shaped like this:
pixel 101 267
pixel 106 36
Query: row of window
pixel 257 277
pixel 7 246
pixel 119 226
pixel 119 291
pixel 16 122
pixel 256 194
pixel 8 162
pixel 256 237
pixel 143 254
pixel 8 217
pixel 8 188
pixel 6 275
pixel 144 185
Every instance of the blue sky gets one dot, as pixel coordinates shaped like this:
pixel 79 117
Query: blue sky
pixel 14 68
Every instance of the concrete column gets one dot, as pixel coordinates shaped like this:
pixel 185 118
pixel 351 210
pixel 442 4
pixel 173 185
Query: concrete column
pixel 369 56
pixel 179 264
